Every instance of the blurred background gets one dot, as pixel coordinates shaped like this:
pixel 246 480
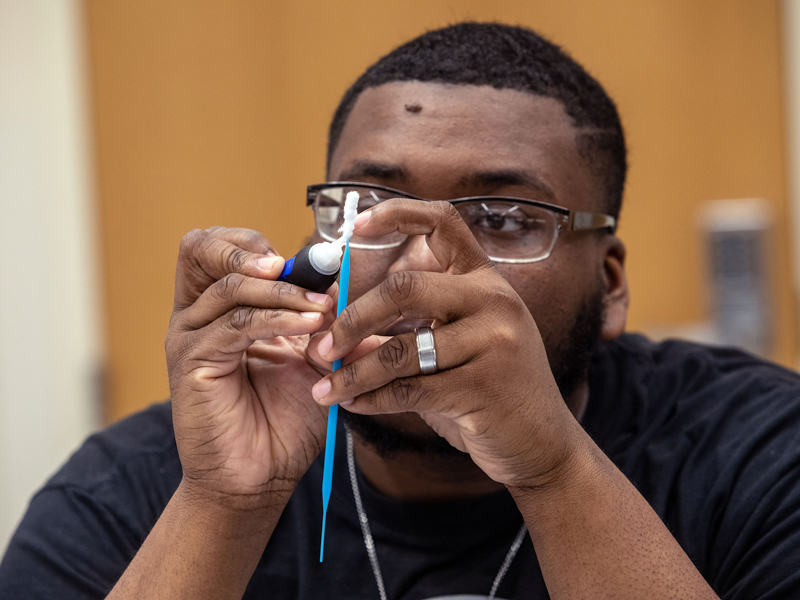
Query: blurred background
pixel 123 125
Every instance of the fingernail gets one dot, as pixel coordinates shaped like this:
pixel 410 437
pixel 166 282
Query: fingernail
pixel 362 218
pixel 268 263
pixel 325 345
pixel 347 402
pixel 321 389
pixel 311 316
pixel 316 298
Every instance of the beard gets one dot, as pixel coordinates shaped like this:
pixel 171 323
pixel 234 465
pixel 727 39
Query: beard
pixel 572 354
pixel 569 358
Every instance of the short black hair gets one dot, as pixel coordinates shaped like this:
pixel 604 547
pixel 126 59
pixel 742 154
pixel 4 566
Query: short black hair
pixel 508 57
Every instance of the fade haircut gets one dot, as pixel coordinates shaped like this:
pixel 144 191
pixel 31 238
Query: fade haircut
pixel 507 57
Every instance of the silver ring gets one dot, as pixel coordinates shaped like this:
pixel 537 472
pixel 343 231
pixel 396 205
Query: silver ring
pixel 426 350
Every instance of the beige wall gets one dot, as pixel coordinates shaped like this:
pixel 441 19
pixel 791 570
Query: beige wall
pixel 216 112
pixel 50 345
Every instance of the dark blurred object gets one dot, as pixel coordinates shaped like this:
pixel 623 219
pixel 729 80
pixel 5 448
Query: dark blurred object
pixel 737 236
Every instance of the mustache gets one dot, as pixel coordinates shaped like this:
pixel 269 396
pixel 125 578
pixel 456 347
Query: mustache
pixel 390 440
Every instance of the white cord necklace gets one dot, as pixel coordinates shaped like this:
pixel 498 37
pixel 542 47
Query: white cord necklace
pixel 370 543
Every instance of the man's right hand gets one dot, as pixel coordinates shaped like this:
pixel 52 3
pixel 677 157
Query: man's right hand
pixel 245 423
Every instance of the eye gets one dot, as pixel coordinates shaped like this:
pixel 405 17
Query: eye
pixel 504 219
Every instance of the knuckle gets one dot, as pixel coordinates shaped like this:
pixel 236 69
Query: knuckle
pixel 177 348
pixel 242 317
pixel 179 324
pixel 349 374
pixel 446 210
pixel 454 231
pixel 471 251
pixel 235 259
pixel 228 286
pixel 254 237
pixel 204 249
pixel 403 288
pixel 445 213
pixel 169 344
pixel 348 319
pixel 507 300
pixel 190 241
pixel 282 289
pixel 505 293
pixel 505 336
pixel 394 354
pixel 250 234
pixel 192 379
pixel 406 392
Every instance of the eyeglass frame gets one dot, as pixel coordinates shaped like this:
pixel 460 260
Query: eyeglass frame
pixel 574 220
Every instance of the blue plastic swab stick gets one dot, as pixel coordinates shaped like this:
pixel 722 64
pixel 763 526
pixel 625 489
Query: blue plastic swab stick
pixel 333 411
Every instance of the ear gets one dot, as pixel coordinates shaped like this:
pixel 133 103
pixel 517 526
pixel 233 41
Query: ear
pixel 616 297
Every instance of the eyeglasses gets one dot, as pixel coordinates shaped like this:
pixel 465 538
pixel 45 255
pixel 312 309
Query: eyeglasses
pixel 510 230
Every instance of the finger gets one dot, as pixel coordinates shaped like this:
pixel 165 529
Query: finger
pixel 330 316
pixel 333 291
pixel 239 328
pixel 448 237
pixel 237 290
pixel 247 239
pixel 207 256
pixel 407 294
pixel 423 394
pixel 395 359
pixel 221 250
pixel 367 345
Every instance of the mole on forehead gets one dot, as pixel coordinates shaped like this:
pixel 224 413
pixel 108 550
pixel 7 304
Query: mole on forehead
pixel 436 99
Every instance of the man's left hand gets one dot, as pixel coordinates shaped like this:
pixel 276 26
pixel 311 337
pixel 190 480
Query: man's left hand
pixel 494 395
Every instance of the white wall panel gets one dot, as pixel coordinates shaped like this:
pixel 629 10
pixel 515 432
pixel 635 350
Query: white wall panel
pixel 49 321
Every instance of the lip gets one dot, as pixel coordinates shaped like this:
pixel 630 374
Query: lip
pixel 402 325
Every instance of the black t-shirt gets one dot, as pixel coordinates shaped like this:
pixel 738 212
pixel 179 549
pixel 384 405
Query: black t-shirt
pixel 710 437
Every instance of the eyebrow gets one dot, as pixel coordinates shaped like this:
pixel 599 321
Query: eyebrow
pixel 491 179
pixel 506 177
pixel 375 170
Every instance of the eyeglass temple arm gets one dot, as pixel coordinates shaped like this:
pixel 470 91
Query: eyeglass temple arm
pixel 589 220
pixel 311 194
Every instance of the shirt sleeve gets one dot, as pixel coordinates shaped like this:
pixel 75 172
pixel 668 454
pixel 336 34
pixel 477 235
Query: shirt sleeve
pixel 68 546
pixel 758 549
pixel 711 438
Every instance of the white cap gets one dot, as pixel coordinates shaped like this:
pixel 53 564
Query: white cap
pixel 325 257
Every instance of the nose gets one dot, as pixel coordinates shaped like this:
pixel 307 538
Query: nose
pixel 416 256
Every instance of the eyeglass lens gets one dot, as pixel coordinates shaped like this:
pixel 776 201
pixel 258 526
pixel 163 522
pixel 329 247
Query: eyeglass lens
pixel 505 229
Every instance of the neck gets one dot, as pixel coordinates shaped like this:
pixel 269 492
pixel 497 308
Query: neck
pixel 414 477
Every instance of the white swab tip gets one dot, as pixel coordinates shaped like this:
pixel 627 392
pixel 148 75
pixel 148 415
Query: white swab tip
pixel 350 212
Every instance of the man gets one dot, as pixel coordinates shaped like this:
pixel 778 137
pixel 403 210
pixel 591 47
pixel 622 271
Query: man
pixel 503 471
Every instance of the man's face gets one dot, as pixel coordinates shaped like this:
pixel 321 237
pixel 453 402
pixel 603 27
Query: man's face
pixel 443 142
